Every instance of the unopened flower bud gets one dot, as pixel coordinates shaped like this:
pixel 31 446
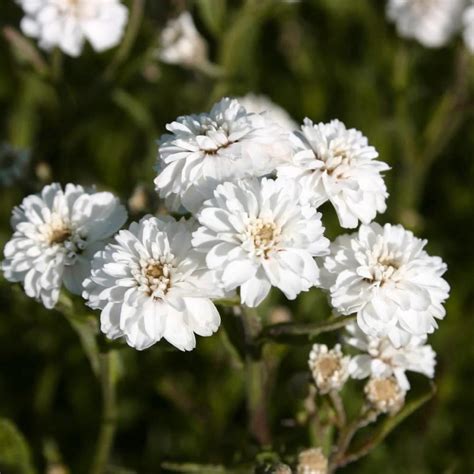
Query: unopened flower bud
pixel 385 394
pixel 312 461
pixel 330 368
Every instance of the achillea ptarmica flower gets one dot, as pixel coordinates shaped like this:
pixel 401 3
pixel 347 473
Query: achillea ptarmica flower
pixel 330 368
pixel 312 461
pixel 382 359
pixel 204 150
pixel 13 162
pixel 262 104
pixel 468 23
pixel 256 235
pixel 150 284
pixel 67 24
pixel 430 22
pixel 384 275
pixel 181 43
pixel 337 164
pixel 55 236
pixel 385 394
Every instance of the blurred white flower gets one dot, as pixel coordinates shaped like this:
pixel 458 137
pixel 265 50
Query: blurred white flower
pixel 385 394
pixel 384 275
pixel 312 461
pixel 207 149
pixel 55 235
pixel 255 235
pixel 430 22
pixel 337 164
pixel 68 23
pixel 150 284
pixel 181 43
pixel 468 23
pixel 382 359
pixel 330 368
pixel 262 104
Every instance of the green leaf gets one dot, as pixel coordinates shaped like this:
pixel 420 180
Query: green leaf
pixel 15 457
pixel 213 13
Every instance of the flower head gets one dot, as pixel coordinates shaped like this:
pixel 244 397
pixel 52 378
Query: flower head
pixel 181 42
pixel 430 22
pixel 55 235
pixel 312 461
pixel 68 23
pixel 334 163
pixel 330 368
pixel 258 104
pixel 385 394
pixel 384 275
pixel 149 284
pixel 468 23
pixel 383 359
pixel 207 149
pixel 256 235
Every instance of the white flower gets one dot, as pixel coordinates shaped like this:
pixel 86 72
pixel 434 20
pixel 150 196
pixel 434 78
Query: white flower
pixel 468 23
pixel 255 235
pixel 207 149
pixel 385 394
pixel 312 461
pixel 149 283
pixel 181 42
pixel 430 22
pixel 337 164
pixel 55 235
pixel 384 275
pixel 383 359
pixel 259 103
pixel 330 368
pixel 68 23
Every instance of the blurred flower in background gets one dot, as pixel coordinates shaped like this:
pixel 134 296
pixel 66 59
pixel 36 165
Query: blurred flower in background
pixel 67 24
pixel 13 163
pixel 431 22
pixel 181 43
pixel 468 23
pixel 260 103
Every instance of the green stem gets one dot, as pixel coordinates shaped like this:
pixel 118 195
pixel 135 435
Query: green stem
pixel 255 377
pixel 301 332
pixel 109 413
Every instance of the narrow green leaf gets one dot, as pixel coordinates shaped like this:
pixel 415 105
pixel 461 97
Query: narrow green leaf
pixel 213 13
pixel 15 457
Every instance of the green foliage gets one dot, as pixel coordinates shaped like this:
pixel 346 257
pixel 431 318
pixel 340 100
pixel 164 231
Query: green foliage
pixel 14 452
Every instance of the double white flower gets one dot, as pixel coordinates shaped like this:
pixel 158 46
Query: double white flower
pixel 334 163
pixel 255 235
pixel 67 24
pixel 55 235
pixel 381 359
pixel 204 150
pixel 150 284
pixel 384 275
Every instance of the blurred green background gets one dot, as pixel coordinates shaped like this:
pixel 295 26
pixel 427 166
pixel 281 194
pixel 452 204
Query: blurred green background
pixel 95 119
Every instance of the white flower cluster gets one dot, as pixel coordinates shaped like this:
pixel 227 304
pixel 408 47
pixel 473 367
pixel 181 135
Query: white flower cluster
pixel 433 22
pixel 67 24
pixel 253 188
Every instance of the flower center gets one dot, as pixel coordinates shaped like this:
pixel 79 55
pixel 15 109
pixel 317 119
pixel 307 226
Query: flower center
pixel 264 236
pixel 327 366
pixel 384 263
pixel 154 278
pixel 337 161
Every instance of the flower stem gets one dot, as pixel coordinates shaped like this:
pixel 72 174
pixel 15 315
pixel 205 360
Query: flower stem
pixel 109 412
pixel 255 377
